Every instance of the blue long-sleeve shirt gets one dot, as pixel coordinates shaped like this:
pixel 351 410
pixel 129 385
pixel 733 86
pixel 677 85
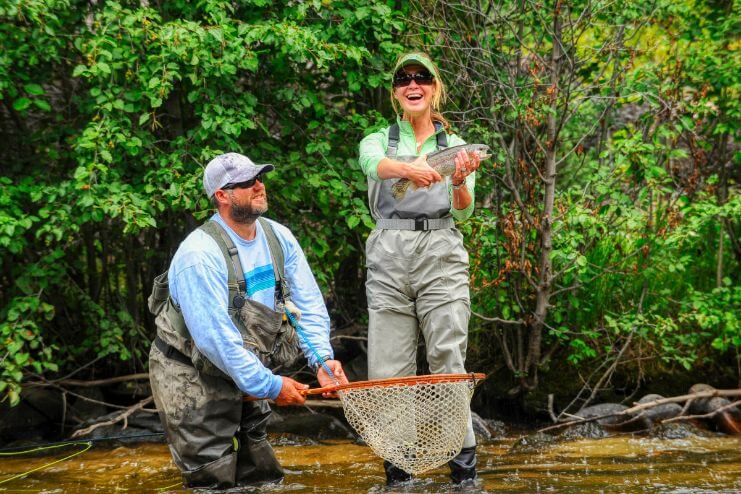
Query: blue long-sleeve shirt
pixel 198 285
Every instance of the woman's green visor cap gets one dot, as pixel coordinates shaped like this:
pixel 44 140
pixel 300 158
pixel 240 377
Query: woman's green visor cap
pixel 416 59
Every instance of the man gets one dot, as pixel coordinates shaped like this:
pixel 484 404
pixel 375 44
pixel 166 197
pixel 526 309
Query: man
pixel 222 322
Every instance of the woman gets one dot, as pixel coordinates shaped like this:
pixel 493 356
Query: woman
pixel 417 265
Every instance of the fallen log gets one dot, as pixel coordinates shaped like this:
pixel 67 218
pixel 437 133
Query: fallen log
pixel 651 404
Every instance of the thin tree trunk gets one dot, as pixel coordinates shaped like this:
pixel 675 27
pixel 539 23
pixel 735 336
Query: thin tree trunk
pixel 549 180
pixel 719 268
pixel 93 281
pixel 132 281
pixel 722 198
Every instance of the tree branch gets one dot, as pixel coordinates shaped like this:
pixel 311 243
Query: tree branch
pixel 497 320
pixel 124 415
pixel 650 404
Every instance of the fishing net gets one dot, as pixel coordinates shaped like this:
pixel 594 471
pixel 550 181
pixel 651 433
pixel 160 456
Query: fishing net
pixel 417 423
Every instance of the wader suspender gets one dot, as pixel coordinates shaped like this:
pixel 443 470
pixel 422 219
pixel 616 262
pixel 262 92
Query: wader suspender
pixel 411 224
pixel 237 284
pixel 282 288
pixel 395 134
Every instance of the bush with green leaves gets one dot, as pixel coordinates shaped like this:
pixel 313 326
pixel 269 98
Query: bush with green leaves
pixel 110 111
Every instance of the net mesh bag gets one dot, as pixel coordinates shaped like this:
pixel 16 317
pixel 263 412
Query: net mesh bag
pixel 416 424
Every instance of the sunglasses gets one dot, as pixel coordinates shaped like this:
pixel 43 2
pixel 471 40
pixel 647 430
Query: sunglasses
pixel 245 185
pixel 422 78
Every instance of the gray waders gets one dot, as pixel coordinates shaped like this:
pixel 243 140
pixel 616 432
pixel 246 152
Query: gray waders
pixel 417 282
pixel 217 439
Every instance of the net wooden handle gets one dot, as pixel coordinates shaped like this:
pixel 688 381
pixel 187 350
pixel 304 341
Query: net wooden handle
pixel 318 391
pixel 302 392
pixel 395 381
pixel 392 381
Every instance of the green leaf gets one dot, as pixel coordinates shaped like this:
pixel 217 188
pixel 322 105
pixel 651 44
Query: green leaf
pixel 103 67
pixel 34 89
pixel 21 358
pixel 79 70
pixel 42 105
pixel 14 396
pixel 21 104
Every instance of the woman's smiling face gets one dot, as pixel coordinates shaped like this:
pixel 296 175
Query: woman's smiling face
pixel 415 99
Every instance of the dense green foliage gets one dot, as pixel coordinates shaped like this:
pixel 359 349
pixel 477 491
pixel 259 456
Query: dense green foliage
pixel 604 235
pixel 111 110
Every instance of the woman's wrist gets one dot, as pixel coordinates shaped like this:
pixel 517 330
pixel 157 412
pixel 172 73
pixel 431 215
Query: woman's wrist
pixel 404 169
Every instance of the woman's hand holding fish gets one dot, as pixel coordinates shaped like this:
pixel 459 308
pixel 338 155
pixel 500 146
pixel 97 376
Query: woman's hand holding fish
pixel 465 164
pixel 421 174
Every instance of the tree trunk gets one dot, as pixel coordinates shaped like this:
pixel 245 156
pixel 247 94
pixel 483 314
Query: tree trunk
pixel 546 224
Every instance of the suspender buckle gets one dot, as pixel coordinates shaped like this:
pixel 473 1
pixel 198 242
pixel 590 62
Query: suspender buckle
pixel 421 225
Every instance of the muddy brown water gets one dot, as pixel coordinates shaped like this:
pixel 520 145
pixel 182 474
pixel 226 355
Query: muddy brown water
pixel 622 464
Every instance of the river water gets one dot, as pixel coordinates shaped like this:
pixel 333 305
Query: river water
pixel 622 464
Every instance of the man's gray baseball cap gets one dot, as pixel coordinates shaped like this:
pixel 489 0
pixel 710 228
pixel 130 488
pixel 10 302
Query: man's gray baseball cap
pixel 230 168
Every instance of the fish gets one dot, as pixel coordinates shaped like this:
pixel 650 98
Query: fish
pixel 442 161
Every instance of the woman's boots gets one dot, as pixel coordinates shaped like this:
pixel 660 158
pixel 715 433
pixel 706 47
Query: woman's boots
pixel 394 474
pixel 463 466
pixel 462 469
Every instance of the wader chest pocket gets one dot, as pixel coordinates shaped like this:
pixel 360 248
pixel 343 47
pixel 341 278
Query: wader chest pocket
pixel 267 335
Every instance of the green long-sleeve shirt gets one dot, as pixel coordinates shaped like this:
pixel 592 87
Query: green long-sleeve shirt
pixel 373 149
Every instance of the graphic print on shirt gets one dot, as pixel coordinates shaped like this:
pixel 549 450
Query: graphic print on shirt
pixel 261 278
pixel 261 284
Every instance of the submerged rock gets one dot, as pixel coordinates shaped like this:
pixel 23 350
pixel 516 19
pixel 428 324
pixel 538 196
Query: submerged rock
pixel 480 428
pixel 313 425
pixel 36 416
pixel 728 421
pixel 660 412
pixel 678 430
pixel 497 428
pixel 533 443
pixel 617 423
pixel 84 410
pixel 603 409
pixel 589 430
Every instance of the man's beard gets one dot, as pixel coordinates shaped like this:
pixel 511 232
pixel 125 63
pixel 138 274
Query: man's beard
pixel 246 214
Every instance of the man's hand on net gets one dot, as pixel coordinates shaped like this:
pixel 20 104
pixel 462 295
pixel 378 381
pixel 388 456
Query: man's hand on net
pixel 290 392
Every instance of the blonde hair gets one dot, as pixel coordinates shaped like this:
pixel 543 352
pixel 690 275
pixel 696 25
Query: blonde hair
pixel 438 95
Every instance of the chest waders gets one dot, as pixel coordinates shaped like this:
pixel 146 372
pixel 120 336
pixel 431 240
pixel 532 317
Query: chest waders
pixel 429 206
pixel 417 281
pixel 217 439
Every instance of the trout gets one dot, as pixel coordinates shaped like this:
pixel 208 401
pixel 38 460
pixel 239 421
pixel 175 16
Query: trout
pixel 441 161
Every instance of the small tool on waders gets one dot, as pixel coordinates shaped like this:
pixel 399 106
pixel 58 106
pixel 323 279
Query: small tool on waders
pixel 300 332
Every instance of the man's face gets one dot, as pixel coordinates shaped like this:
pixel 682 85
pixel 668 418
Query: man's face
pixel 248 203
